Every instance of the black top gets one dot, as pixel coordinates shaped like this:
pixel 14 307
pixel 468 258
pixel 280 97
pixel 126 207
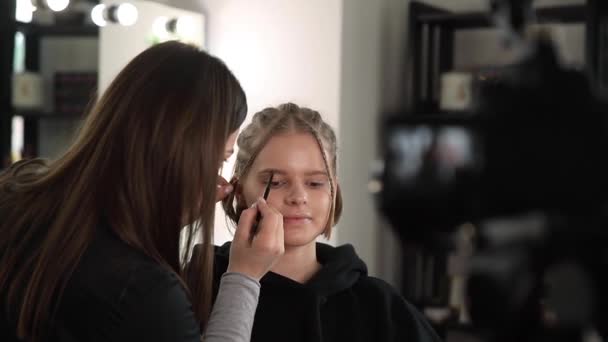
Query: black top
pixel 119 294
pixel 340 303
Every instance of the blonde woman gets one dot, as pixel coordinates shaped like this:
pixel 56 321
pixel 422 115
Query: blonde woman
pixel 315 292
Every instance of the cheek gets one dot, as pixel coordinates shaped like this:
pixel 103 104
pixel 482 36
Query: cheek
pixel 249 195
pixel 275 198
pixel 321 201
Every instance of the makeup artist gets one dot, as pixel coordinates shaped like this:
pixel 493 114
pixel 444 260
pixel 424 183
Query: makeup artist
pixel 90 243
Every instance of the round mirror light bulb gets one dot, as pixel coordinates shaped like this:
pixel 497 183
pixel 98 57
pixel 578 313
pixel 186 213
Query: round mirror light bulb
pixel 97 15
pixel 126 14
pixel 184 27
pixel 57 5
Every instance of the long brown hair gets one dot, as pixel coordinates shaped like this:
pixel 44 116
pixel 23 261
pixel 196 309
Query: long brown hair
pixel 145 163
pixel 271 121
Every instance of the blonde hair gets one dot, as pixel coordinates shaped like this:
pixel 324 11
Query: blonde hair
pixel 273 121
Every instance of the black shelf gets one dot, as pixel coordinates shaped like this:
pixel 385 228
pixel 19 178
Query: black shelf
pixel 58 30
pixel 70 25
pixel 38 114
pixel 432 35
pixel 469 20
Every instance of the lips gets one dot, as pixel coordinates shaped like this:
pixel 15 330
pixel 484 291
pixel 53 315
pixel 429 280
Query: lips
pixel 296 219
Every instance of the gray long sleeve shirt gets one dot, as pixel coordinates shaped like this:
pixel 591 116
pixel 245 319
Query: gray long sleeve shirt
pixel 232 315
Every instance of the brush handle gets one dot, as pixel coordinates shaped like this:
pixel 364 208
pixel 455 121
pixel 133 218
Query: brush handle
pixel 258 216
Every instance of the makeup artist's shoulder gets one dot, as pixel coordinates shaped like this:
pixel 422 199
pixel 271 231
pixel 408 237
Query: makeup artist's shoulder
pixel 110 261
pixel 112 270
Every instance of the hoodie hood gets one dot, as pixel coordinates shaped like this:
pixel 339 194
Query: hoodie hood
pixel 341 269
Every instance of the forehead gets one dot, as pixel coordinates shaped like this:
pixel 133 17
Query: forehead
pixel 290 152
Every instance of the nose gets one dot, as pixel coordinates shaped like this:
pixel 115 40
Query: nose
pixel 297 195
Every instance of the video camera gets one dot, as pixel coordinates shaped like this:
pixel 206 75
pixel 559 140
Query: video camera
pixel 528 167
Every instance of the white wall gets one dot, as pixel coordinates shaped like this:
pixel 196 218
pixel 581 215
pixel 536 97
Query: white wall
pixel 119 44
pixel 360 107
pixel 280 51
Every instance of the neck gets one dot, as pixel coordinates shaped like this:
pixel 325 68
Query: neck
pixel 298 263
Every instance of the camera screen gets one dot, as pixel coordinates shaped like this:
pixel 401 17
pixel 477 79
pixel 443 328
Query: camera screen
pixel 435 156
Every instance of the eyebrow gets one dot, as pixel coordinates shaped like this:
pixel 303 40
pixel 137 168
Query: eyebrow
pixel 281 172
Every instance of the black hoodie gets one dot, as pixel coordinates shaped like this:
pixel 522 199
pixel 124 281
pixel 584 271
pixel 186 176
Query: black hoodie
pixel 339 303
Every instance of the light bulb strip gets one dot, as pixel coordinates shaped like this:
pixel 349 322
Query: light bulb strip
pixel 125 14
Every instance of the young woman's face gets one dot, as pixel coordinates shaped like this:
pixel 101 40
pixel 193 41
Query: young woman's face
pixel 220 192
pixel 223 187
pixel 300 188
pixel 229 148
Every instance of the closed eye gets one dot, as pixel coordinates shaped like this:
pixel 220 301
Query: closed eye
pixel 276 184
pixel 228 154
pixel 317 184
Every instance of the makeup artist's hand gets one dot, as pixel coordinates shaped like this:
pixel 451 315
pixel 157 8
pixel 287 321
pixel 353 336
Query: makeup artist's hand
pixel 254 257
pixel 223 188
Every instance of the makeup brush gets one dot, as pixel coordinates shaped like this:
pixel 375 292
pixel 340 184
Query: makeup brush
pixel 258 217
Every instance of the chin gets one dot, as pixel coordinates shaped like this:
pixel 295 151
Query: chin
pixel 297 236
pixel 298 241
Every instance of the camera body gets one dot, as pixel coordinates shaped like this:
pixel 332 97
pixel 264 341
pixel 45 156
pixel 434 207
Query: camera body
pixel 535 140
